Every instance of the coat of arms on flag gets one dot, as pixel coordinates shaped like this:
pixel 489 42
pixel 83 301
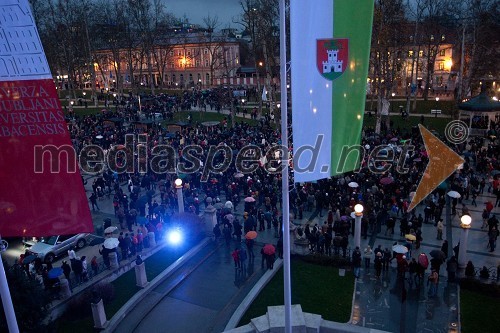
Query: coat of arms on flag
pixel 332 56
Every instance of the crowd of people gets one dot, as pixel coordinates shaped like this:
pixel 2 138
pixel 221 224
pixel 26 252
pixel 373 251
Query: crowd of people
pixel 385 195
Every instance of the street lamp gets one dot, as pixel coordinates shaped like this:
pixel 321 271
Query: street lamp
pixel 462 251
pixel 84 93
pixel 180 198
pixel 358 215
pixel 392 102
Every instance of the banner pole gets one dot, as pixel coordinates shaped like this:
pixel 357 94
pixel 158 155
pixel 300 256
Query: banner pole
pixel 284 171
pixel 8 306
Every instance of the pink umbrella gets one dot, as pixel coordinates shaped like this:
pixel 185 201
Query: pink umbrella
pixel 386 181
pixel 269 249
pixel 249 199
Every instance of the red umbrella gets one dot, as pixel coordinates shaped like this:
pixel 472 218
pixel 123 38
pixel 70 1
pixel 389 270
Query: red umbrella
pixel 386 181
pixel 423 260
pixel 489 206
pixel 269 249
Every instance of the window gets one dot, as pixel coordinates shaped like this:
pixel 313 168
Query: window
pixel 172 65
pixel 421 53
pixel 179 52
pixel 441 66
pixel 410 54
pixel 206 62
pixel 442 52
pixel 171 53
pixel 432 38
pixel 205 51
pixel 189 53
pixel 443 37
pixel 197 63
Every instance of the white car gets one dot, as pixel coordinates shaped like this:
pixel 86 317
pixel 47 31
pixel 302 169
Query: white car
pixel 49 248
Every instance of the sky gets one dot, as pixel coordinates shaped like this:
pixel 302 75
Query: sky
pixel 196 10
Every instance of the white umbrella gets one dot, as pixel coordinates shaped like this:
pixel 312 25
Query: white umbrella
pixel 109 230
pixel 238 175
pixel 454 194
pixel 228 204
pixel 398 248
pixel 99 137
pixel 353 184
pixel 111 243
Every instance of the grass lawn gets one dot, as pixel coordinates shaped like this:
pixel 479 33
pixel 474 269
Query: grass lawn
pixel 478 312
pixel 318 289
pixel 124 288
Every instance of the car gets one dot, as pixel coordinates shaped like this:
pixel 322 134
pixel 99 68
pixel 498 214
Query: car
pixel 49 248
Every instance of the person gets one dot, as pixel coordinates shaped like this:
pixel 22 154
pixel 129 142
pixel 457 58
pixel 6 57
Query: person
pixel 93 201
pixel 432 282
pixel 227 234
pixel 270 261
pixel 356 261
pixel 84 275
pixel 485 215
pixel 243 258
pixel 439 229
pixel 77 267
pixel 236 257
pixel 66 269
pixel 387 258
pixel 105 256
pixel 444 248
pixel 484 273
pixel 492 238
pixel 451 268
pixel 264 258
pixel 250 243
pixel 367 256
pixel 378 263
pixel 279 246
pixel 470 270
pixel 217 233
pixel 71 253
pixel 94 265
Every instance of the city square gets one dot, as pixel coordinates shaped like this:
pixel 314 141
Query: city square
pixel 192 192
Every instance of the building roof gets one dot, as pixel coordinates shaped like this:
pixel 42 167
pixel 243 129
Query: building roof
pixel 481 102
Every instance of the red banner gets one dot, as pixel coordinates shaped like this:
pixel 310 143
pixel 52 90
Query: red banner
pixel 41 190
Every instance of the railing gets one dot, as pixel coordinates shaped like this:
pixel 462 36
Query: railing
pixel 492 274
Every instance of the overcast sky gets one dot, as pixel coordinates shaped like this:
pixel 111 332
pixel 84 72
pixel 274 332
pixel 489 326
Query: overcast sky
pixel 196 10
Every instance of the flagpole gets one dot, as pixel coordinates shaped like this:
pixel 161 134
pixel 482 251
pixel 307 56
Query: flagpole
pixel 284 172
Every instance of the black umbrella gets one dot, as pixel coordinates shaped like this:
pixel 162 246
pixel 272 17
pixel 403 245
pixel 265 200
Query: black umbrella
pixel 96 241
pixel 437 254
pixel 28 259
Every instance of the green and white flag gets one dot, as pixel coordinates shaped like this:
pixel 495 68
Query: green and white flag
pixel 330 47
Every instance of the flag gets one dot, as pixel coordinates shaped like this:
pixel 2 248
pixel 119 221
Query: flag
pixel 330 46
pixel 264 94
pixel 41 191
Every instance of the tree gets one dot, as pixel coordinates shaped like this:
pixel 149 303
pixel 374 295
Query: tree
pixel 31 301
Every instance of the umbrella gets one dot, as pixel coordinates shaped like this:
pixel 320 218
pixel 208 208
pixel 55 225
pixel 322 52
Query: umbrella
pixel 99 137
pixel 423 260
pixel 418 160
pixel 229 217
pixel 269 249
pixel 343 218
pixel 489 206
pixel 353 184
pixel 495 172
pixel 111 243
pixel 218 205
pixel 228 204
pixel 398 248
pixel 437 254
pixel 249 199
pixel 454 194
pixel 109 230
pixel 251 235
pixel 394 139
pixel 386 181
pixel 54 272
pixel 28 259
pixel 238 175
pixel 410 237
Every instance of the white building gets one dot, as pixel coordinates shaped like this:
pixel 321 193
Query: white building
pixel 332 64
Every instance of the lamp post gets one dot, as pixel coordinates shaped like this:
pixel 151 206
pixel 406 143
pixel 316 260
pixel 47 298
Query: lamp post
pixel 462 252
pixel 358 215
pixel 392 102
pixel 180 199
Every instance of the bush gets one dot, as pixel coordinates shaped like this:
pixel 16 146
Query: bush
pixel 324 260
pixel 79 307
pixel 475 285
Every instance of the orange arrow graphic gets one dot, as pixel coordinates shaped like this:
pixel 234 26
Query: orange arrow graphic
pixel 442 163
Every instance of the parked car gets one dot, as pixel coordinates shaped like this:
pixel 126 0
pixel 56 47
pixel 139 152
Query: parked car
pixel 48 248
